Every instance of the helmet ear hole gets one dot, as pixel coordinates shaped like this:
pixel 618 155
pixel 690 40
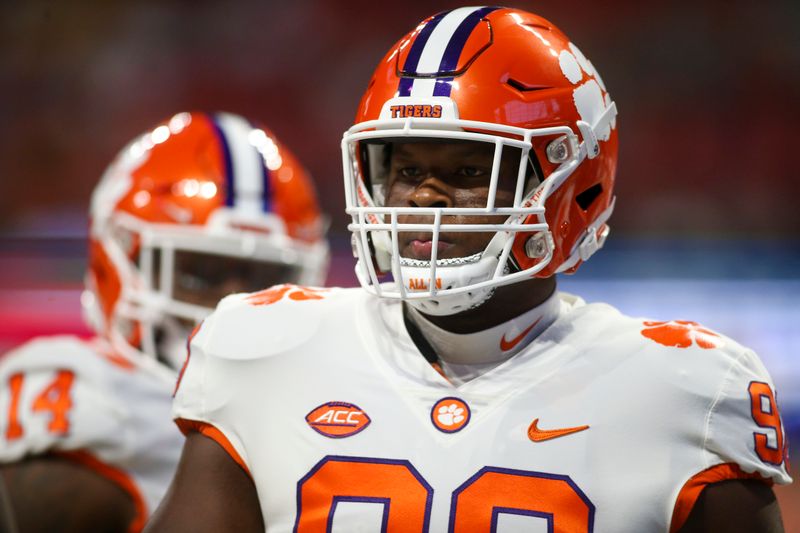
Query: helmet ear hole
pixel 587 197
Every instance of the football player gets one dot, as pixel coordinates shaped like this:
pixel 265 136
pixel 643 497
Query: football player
pixel 466 394
pixel 201 206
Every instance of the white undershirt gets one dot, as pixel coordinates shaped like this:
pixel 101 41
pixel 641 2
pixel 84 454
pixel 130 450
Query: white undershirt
pixel 465 356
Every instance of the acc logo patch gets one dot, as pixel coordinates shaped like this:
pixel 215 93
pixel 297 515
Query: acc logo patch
pixel 338 419
pixel 450 415
pixel 682 334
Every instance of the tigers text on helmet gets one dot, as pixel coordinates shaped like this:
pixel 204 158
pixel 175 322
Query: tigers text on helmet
pixel 200 206
pixel 513 83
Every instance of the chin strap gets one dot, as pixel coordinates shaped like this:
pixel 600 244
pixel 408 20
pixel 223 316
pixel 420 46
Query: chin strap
pixel 474 269
pixel 593 239
pixel 590 145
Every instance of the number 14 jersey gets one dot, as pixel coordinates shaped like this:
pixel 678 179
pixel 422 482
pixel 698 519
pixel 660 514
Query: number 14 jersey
pixel 603 423
pixel 81 401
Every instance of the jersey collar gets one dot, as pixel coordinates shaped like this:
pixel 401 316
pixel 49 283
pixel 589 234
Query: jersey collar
pixel 464 356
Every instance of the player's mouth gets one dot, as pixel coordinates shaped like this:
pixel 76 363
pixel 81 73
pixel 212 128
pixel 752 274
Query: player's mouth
pixel 423 249
pixel 420 248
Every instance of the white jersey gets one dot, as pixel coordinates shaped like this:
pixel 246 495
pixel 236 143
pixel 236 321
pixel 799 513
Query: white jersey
pixel 604 423
pixel 77 399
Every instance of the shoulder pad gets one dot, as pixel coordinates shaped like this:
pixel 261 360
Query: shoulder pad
pixel 43 352
pixel 683 334
pixel 68 351
pixel 275 320
pixel 744 424
pixel 675 346
pixel 607 322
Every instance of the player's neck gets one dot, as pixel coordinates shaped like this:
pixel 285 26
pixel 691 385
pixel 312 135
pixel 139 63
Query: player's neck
pixel 507 303
pixel 465 356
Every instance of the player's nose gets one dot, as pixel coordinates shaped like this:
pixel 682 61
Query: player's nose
pixel 431 192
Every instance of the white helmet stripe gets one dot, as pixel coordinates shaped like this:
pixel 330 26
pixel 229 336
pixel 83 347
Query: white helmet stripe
pixel 247 165
pixel 435 47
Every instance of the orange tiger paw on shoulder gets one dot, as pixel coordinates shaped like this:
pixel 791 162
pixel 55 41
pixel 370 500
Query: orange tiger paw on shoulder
pixel 278 292
pixel 681 334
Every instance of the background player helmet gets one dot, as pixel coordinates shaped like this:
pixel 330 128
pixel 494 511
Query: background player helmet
pixel 491 75
pixel 200 206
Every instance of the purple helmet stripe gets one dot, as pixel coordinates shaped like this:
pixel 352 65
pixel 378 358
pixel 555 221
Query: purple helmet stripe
pixel 459 39
pixel 412 60
pixel 454 48
pixel 266 199
pixel 266 190
pixel 226 155
pixel 442 87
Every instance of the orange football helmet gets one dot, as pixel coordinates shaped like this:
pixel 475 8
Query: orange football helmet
pixel 491 75
pixel 200 206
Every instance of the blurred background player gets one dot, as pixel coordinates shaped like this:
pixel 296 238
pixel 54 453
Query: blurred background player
pixel 481 165
pixel 201 206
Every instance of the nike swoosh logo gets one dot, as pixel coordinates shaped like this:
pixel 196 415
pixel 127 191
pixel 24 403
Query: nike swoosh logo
pixel 539 435
pixel 507 345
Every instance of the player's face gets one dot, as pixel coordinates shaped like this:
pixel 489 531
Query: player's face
pixel 452 174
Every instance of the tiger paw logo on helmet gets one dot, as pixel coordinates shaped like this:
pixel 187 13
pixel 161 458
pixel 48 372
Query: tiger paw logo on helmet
pixel 591 97
pixel 681 334
pixel 278 292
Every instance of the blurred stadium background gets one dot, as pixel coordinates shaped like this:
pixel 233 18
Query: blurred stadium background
pixel 706 223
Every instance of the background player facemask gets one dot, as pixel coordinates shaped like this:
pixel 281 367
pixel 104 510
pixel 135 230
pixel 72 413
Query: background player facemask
pixel 176 274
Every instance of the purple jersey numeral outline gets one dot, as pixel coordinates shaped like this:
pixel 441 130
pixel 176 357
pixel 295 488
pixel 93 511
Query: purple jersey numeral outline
pixel 773 408
pixel 522 473
pixel 353 459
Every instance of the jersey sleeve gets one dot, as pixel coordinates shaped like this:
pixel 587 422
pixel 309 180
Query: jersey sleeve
pixel 743 436
pixel 744 423
pixel 241 340
pixel 201 394
pixel 54 398
pixel 78 400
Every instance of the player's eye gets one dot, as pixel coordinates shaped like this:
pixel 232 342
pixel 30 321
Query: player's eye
pixel 470 172
pixel 191 282
pixel 410 172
